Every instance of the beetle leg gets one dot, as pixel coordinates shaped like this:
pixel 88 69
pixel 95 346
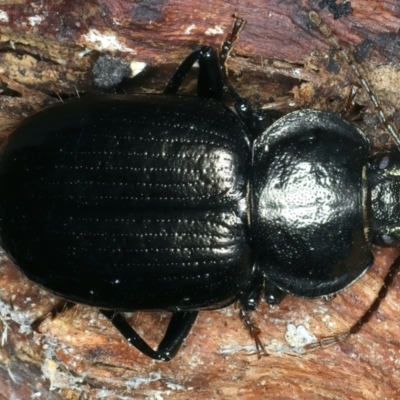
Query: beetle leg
pixel 273 295
pixel 256 121
pixel 251 297
pixel 248 302
pixel 231 38
pixel 254 331
pixel 178 328
pixel 212 79
pixel 209 83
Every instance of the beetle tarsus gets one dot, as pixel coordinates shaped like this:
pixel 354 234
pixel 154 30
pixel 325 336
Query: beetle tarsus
pixel 254 331
pixel 178 328
pixel 60 307
pixel 230 39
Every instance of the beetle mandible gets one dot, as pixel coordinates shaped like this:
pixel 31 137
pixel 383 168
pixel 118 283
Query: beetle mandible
pixel 166 202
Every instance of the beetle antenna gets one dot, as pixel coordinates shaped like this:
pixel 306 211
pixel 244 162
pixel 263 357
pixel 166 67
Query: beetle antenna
pixel 330 340
pixel 326 31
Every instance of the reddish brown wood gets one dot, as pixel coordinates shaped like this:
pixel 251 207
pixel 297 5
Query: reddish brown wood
pixel 280 62
pixel 282 56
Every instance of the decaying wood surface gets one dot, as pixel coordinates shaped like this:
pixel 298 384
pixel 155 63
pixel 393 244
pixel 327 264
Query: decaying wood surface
pixel 53 49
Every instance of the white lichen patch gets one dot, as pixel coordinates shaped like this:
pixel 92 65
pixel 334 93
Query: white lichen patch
pixel 237 348
pixel 174 386
pixel 35 20
pixel 217 30
pixel 143 380
pixel 105 42
pixel 4 16
pixel 189 29
pixel 4 333
pixel 57 378
pixel 84 52
pixel 137 67
pixel 298 336
pixel 24 319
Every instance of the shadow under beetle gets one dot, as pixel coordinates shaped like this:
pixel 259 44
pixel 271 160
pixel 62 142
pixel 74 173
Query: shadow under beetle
pixel 166 202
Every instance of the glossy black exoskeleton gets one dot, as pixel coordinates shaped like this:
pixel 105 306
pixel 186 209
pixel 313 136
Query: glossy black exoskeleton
pixel 165 202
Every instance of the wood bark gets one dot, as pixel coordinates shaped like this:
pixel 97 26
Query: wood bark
pixel 50 49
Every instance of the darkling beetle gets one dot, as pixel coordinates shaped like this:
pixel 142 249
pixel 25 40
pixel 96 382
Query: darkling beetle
pixel 166 202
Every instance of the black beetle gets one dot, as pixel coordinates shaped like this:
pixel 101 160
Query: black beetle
pixel 165 202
